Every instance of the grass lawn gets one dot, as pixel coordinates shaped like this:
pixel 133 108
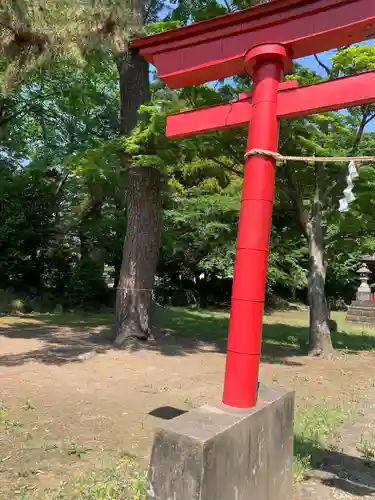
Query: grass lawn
pixel 281 329
pixel 55 398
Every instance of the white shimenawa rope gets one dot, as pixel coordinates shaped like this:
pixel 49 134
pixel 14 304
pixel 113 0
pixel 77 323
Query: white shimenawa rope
pixel 352 168
pixel 348 191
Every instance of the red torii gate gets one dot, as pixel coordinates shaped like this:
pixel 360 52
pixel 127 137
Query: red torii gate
pixel 261 41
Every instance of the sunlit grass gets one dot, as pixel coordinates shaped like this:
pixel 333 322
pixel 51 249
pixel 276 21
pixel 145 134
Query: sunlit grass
pixel 316 428
pixel 286 329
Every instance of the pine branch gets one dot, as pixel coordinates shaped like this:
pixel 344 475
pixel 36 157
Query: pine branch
pixel 32 33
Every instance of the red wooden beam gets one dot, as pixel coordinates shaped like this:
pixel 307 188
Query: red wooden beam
pixel 215 49
pixel 292 102
pixel 212 118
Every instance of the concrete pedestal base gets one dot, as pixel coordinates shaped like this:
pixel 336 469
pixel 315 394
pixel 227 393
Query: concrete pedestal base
pixel 221 453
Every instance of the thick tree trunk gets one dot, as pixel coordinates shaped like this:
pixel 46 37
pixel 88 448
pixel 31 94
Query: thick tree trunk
pixel 142 240
pixel 134 88
pixel 320 336
pixel 141 249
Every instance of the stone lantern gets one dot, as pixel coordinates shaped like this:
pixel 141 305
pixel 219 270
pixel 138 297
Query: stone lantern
pixel 362 310
pixel 364 290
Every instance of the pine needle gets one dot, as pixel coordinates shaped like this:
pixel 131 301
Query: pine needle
pixel 34 33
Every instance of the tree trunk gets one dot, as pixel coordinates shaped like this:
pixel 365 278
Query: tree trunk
pixel 320 336
pixel 141 249
pixel 134 88
pixel 142 240
pixel 311 225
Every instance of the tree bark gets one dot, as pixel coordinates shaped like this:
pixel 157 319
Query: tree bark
pixel 141 249
pixel 134 88
pixel 320 343
pixel 142 240
pixel 311 225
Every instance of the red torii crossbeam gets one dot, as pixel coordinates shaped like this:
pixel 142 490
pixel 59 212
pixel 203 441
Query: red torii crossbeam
pixel 293 101
pixel 215 49
pixel 261 41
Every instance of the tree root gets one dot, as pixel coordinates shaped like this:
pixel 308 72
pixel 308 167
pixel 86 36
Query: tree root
pixel 125 340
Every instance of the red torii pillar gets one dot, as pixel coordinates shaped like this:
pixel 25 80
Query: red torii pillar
pixel 267 65
pixel 268 102
pixel 262 41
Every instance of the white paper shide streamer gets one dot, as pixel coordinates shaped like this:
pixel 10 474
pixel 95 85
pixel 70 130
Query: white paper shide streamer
pixel 348 191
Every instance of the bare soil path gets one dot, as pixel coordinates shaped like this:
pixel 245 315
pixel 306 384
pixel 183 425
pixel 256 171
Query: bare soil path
pixel 72 404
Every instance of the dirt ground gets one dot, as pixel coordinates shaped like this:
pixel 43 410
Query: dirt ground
pixel 73 404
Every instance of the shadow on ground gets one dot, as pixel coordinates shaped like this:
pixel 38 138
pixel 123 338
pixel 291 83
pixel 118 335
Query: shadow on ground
pixel 335 469
pixel 71 338
pixel 58 346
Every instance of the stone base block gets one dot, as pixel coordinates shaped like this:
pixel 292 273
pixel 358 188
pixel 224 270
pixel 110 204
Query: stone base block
pixel 221 453
pixel 362 313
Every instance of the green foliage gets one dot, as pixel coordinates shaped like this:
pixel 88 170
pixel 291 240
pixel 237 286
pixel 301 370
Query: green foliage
pixel 10 304
pixel 316 428
pixel 354 59
pixel 64 164
pixel 200 233
pixel 67 193
pixel 196 10
pixel 160 26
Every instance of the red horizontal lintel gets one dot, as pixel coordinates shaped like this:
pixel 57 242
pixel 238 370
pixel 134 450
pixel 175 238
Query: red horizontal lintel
pixel 215 49
pixel 222 114
pixel 342 93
